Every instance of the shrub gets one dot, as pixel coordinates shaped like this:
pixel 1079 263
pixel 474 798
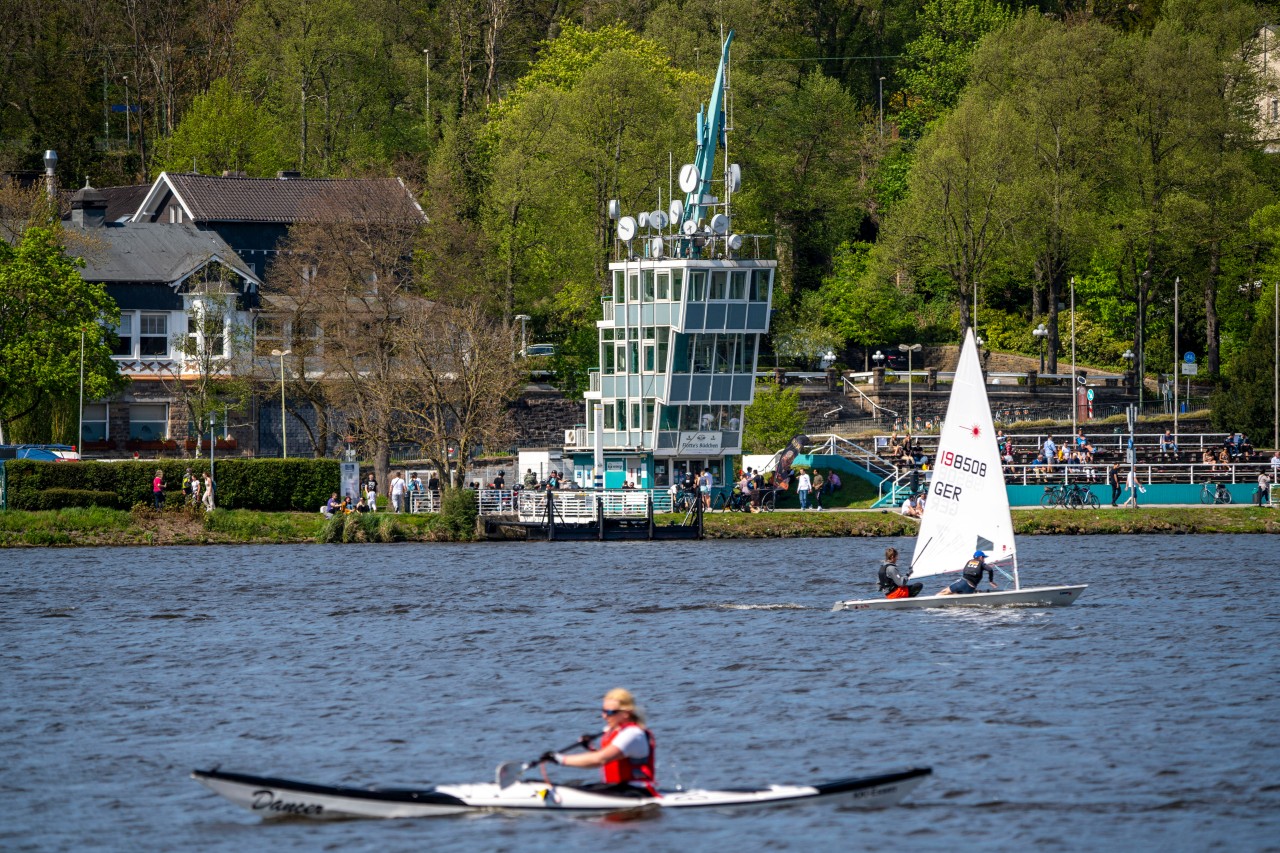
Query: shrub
pixel 266 484
pixel 458 512
pixel 62 498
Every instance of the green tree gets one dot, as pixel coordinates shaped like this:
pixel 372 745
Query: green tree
pixel 224 130
pixel 866 309
pixel 772 419
pixel 937 63
pixel 45 305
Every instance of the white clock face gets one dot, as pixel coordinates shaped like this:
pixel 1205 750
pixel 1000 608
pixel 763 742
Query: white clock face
pixel 689 177
pixel 626 228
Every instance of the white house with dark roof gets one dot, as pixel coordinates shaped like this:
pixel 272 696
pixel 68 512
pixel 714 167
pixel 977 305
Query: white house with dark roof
pixel 160 241
pixel 160 277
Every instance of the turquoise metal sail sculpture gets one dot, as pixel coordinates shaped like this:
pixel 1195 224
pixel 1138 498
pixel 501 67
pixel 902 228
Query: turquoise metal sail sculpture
pixel 710 130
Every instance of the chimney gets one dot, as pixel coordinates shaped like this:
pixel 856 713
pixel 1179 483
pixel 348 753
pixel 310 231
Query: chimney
pixel 88 208
pixel 51 179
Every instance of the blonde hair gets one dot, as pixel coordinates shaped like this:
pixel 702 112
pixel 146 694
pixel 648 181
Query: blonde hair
pixel 626 702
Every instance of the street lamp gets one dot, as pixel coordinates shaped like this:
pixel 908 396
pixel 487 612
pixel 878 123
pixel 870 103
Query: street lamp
pixel 880 122
pixel 284 433
pixel 1128 356
pixel 1041 333
pixel 908 350
pixel 523 318
pixel 878 358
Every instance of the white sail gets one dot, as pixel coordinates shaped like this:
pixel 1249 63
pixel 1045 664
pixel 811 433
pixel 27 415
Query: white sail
pixel 968 508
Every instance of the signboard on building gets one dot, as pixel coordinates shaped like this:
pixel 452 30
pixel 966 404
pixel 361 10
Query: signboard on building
pixel 694 443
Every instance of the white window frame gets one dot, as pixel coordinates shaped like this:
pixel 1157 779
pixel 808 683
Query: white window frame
pixel 164 433
pixel 105 420
pixel 143 317
pixel 131 339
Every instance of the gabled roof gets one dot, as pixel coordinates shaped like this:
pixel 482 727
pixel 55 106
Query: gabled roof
pixel 209 198
pixel 123 202
pixel 154 252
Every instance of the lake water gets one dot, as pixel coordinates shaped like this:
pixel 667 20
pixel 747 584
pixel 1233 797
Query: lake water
pixel 1141 718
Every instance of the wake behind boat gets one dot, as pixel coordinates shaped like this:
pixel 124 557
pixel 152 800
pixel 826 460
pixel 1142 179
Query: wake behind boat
pixel 968 507
pixel 281 798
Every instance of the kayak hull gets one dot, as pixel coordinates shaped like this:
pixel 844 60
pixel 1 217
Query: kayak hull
pixel 1035 596
pixel 282 798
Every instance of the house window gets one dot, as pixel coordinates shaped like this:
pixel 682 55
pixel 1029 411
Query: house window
pixel 619 292
pixel 95 422
pixel 153 335
pixel 1275 110
pixel 149 421
pixel 719 281
pixel 268 334
pixel 609 422
pixel 648 285
pixel 124 333
pixel 738 284
pixel 676 279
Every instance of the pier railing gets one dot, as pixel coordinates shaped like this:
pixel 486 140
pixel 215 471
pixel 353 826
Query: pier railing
pixel 572 506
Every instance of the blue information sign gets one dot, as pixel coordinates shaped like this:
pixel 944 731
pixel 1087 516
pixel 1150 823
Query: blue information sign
pixel 1189 358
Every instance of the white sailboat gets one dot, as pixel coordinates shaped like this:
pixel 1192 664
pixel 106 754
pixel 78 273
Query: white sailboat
pixel 968 507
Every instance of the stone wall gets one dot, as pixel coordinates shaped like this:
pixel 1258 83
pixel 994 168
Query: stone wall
pixel 541 418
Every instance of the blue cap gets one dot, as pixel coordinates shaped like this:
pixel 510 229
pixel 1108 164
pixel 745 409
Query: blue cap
pixel 979 554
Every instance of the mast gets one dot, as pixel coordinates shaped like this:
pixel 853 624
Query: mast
pixel 709 131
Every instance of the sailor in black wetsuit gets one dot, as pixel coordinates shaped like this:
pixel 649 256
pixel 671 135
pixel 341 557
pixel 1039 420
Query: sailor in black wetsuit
pixel 893 581
pixel 972 576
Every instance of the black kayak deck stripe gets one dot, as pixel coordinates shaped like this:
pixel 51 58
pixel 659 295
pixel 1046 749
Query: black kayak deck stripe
pixel 403 795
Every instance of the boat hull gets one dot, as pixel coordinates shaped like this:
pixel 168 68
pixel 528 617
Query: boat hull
pixel 282 798
pixel 1036 596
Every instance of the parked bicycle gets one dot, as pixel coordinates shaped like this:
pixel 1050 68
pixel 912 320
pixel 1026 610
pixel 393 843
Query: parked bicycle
pixel 1215 493
pixel 1073 496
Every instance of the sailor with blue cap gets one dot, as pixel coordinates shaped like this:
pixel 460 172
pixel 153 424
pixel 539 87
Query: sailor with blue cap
pixel 972 576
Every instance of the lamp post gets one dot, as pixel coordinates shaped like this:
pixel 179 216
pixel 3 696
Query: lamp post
pixel 1041 333
pixel 284 433
pixel 1128 357
pixel 880 121
pixel 523 318
pixel 80 440
pixel 213 441
pixel 878 358
pixel 908 349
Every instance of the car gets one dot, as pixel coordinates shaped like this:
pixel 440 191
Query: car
pixel 44 452
pixel 535 350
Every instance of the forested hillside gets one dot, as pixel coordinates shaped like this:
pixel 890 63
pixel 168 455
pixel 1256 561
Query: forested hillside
pixel 920 163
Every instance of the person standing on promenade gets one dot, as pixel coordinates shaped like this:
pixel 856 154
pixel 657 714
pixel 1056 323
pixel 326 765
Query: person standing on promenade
pixel 1113 478
pixel 397 493
pixel 803 487
pixel 371 493
pixel 1131 482
pixel 157 489
pixel 208 493
pixel 818 483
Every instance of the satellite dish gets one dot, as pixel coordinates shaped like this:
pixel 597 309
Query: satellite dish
pixel 676 209
pixel 626 228
pixel 735 242
pixel 689 177
pixel 615 209
pixel 655 247
pixel 689 228
pixel 720 224
pixel 643 219
pixel 734 178
pixel 658 219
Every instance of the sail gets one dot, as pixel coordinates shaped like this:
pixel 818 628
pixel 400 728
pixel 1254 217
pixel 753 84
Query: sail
pixel 967 508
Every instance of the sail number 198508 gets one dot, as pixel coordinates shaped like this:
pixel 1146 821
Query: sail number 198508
pixel 964 463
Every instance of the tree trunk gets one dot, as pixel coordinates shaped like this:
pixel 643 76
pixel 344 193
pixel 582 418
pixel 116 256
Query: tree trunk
pixel 1211 331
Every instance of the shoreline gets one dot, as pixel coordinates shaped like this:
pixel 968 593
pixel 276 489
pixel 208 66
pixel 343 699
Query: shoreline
pixel 99 528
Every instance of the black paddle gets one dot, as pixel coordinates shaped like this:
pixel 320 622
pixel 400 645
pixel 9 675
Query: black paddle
pixel 509 772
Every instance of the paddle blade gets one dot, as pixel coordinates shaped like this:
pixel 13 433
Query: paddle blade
pixel 839 605
pixel 509 772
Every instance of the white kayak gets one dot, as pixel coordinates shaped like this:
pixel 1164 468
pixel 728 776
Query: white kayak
pixel 1027 596
pixel 281 798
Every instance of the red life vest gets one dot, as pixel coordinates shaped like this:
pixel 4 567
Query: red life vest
pixel 624 769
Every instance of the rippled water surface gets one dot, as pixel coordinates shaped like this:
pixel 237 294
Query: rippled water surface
pixel 1143 717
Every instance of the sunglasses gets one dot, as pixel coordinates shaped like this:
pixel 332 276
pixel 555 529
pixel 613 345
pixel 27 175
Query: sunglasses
pixel 609 713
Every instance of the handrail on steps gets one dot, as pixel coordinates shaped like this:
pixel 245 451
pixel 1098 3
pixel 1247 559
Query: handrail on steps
pixel 876 408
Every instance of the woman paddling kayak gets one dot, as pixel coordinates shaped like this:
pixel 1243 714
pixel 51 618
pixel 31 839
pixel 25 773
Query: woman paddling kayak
pixel 626 753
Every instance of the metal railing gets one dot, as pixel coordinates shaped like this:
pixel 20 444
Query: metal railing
pixel 877 410
pixel 572 506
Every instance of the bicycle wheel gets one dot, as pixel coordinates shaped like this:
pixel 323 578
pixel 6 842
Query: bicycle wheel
pixel 1048 500
pixel 766 503
pixel 1092 500
pixel 1224 498
pixel 1206 495
pixel 718 502
pixel 1074 501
